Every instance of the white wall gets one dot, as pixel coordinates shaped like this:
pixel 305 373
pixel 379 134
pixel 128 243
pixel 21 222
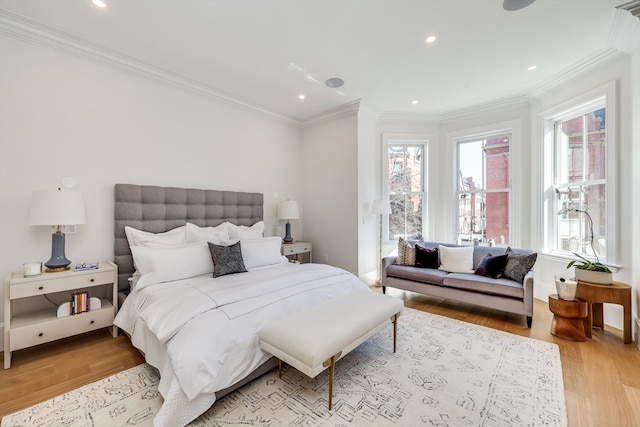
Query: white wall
pixel 67 116
pixel 369 188
pixel 330 180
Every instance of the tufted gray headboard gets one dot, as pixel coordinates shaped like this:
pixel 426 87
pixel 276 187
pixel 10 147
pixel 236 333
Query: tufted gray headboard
pixel 159 209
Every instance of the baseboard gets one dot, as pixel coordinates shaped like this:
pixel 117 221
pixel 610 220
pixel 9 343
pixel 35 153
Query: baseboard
pixel 637 334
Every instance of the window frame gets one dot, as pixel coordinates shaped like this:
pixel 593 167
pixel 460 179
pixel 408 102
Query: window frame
pixel 603 96
pixel 421 140
pixel 508 190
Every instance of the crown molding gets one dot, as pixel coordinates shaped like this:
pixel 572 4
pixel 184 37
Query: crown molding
pixel 345 110
pixel 29 31
pixel 416 117
pixel 632 6
pixel 600 57
pixel 625 29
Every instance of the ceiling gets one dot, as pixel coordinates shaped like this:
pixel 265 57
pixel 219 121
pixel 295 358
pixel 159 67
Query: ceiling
pixel 266 53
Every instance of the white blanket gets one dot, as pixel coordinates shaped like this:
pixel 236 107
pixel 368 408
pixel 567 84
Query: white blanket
pixel 210 326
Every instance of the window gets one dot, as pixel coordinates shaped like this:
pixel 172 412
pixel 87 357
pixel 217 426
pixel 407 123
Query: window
pixel 406 188
pixel 483 188
pixel 580 184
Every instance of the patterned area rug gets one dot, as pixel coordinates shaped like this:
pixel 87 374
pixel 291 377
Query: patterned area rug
pixel 445 373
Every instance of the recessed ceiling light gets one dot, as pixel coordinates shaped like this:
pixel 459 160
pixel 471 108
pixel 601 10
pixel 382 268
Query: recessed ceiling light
pixel 415 101
pixel 532 67
pixel 431 39
pixel 99 3
pixel 302 96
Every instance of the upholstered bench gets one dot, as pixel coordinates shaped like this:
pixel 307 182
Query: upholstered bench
pixel 314 340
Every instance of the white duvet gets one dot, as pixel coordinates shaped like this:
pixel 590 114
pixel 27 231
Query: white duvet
pixel 202 333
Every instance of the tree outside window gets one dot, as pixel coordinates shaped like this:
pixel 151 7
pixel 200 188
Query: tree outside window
pixel 405 164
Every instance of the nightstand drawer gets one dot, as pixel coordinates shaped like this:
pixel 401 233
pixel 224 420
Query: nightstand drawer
pixel 51 284
pixel 296 249
pixel 54 329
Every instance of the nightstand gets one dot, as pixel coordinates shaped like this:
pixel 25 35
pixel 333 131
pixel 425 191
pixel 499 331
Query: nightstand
pixel 31 306
pixel 295 251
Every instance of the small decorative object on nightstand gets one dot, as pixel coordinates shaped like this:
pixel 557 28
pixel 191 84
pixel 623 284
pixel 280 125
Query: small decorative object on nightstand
pixel 39 323
pixel 295 250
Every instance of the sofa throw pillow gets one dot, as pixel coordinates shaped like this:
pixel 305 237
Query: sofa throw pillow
pixel 227 259
pixel 518 265
pixel 492 266
pixel 427 257
pixel 456 259
pixel 406 253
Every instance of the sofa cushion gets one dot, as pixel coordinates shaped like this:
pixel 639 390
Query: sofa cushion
pixel 492 266
pixel 406 252
pixel 485 285
pixel 423 275
pixel 518 265
pixel 456 260
pixel 427 257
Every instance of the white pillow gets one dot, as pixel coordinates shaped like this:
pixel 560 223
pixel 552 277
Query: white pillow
pixel 456 260
pixel 217 234
pixel 135 237
pixel 262 252
pixel 241 232
pixel 159 265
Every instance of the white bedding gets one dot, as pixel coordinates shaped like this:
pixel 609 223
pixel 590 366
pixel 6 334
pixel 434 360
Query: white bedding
pixel 202 333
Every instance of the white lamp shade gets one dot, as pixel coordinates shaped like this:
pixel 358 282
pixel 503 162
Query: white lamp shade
pixel 288 210
pixel 381 207
pixel 56 207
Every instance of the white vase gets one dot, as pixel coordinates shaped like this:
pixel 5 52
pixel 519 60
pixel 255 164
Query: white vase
pixel 566 288
pixel 597 277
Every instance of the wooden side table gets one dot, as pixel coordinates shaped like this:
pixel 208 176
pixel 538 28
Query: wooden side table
pixel 567 318
pixel 596 295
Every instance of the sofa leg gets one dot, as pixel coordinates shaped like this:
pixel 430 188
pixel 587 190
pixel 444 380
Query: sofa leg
pixel 529 320
pixel 384 289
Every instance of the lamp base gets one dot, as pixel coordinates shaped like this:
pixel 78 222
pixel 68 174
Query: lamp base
pixel 287 235
pixel 57 269
pixel 58 261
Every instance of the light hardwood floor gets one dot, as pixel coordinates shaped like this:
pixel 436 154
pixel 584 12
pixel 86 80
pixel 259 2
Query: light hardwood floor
pixel 601 375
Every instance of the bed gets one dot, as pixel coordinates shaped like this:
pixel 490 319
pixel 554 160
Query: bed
pixel 200 331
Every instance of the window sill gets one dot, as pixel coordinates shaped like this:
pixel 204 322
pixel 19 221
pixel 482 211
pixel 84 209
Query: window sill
pixel 560 256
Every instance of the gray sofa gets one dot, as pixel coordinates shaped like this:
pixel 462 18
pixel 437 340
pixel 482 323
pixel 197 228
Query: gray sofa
pixel 500 294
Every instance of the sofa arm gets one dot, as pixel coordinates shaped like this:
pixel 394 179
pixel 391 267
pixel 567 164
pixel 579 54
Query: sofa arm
pixel 527 284
pixel 386 262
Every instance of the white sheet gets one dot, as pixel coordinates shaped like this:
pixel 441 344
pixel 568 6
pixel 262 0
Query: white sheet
pixel 209 326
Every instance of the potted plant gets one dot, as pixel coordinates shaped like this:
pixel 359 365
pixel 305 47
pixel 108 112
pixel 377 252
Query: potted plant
pixel 586 270
pixel 591 271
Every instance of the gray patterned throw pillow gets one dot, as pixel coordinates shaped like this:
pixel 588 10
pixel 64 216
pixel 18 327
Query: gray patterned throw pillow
pixel 227 259
pixel 518 265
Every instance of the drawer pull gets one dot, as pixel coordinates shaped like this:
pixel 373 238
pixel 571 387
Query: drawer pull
pixel 92 322
pixel 92 280
pixel 40 334
pixel 40 288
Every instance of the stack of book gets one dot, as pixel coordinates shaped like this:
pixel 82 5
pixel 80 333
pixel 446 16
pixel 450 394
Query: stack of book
pixel 79 302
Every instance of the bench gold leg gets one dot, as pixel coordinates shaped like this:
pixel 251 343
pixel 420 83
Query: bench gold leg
pixel 395 331
pixel 333 363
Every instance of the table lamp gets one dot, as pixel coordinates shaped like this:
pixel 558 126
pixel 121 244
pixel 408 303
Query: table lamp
pixel 288 210
pixel 57 208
